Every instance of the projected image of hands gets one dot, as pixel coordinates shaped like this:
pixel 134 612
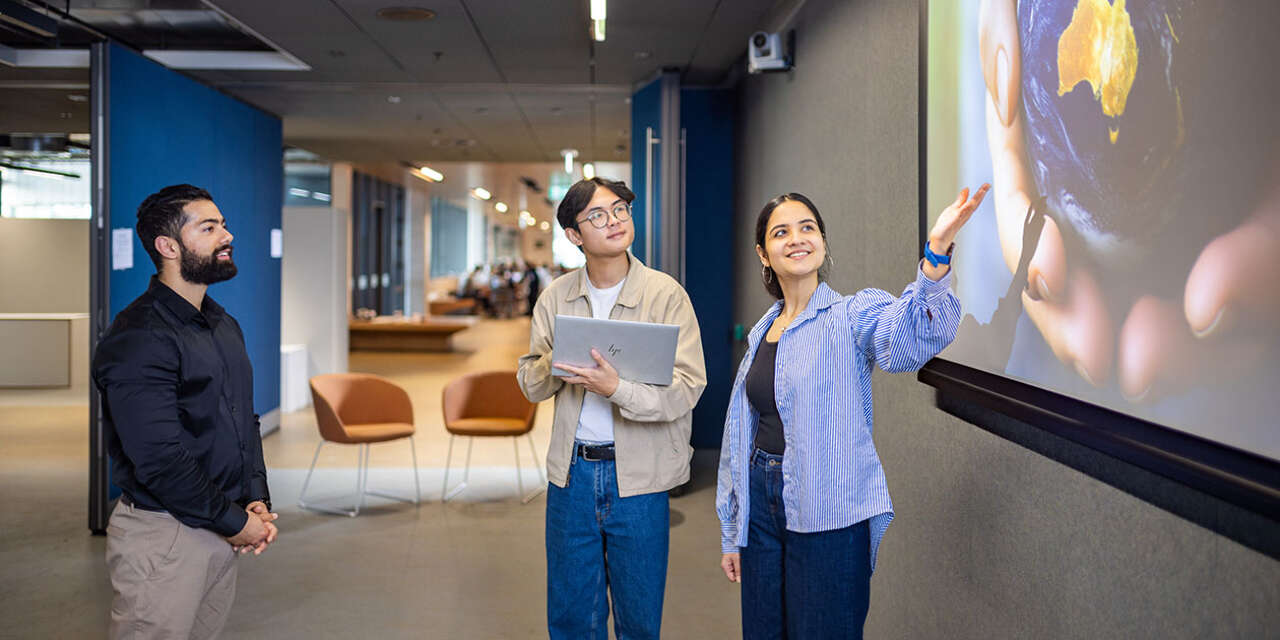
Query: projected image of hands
pixel 1134 158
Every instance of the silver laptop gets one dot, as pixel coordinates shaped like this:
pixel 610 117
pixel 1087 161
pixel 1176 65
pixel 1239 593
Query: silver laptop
pixel 640 351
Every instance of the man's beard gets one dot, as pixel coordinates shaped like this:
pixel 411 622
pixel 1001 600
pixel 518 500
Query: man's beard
pixel 208 269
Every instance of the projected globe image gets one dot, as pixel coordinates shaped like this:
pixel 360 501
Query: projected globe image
pixel 1130 249
pixel 1129 109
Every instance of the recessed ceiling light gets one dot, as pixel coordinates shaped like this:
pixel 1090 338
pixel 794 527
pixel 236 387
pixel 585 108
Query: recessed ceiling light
pixel 501 207
pixel 406 14
pixel 431 174
pixel 481 193
pixel 598 14
pixel 545 226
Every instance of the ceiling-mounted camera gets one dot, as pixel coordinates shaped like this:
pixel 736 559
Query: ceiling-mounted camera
pixel 765 52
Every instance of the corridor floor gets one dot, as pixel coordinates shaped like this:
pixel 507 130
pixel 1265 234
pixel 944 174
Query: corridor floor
pixel 470 568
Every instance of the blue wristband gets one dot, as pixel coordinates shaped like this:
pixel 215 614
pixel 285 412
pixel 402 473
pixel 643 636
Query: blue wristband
pixel 935 259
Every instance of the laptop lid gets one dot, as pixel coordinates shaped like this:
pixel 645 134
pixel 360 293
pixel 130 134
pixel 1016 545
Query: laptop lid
pixel 640 351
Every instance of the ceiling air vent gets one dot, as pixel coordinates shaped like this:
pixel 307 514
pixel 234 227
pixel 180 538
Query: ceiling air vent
pixel 406 14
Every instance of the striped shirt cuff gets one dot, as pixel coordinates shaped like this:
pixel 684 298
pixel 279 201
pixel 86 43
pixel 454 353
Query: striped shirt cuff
pixel 929 291
pixel 728 537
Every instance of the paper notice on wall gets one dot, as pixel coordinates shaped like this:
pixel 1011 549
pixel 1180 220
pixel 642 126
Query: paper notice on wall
pixel 121 249
pixel 277 243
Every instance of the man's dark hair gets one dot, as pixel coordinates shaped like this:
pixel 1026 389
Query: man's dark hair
pixel 161 215
pixel 580 194
pixel 762 227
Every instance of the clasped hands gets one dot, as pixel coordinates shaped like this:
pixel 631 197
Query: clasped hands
pixel 259 530
pixel 601 379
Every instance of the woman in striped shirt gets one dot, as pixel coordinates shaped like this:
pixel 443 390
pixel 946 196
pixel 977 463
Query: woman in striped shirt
pixel 801 497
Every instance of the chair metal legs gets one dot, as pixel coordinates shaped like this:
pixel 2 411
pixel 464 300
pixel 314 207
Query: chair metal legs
pixel 362 483
pixel 542 476
pixel 447 494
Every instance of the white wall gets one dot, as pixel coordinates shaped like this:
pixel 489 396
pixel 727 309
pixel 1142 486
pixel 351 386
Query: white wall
pixel 478 240
pixel 315 276
pixel 417 209
pixel 44 269
pixel 44 266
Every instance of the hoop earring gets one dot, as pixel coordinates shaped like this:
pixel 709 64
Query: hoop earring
pixel 766 274
pixel 831 260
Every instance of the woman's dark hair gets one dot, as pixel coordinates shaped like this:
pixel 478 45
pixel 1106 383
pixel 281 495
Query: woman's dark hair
pixel 161 215
pixel 762 227
pixel 580 194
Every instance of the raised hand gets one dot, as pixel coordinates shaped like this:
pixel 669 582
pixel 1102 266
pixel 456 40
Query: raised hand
pixel 953 218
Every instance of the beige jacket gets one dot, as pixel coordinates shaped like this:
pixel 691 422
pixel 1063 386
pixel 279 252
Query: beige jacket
pixel 651 423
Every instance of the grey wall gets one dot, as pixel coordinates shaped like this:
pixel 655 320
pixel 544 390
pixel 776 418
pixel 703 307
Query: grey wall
pixel 991 540
pixel 44 266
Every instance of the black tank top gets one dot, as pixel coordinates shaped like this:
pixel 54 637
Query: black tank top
pixel 760 395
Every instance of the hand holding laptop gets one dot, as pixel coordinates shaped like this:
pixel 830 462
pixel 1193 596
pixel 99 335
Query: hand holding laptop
pixel 642 352
pixel 601 379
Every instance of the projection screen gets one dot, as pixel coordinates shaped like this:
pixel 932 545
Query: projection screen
pixel 1128 256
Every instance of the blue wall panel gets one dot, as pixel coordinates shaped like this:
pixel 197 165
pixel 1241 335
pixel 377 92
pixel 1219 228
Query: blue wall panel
pixel 708 117
pixel 646 111
pixel 165 128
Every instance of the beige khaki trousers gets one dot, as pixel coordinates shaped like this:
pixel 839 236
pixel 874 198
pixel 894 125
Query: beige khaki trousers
pixel 170 580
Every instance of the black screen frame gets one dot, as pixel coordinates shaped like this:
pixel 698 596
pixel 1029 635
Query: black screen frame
pixel 1242 478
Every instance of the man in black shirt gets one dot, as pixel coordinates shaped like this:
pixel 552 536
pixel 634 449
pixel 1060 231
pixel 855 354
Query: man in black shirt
pixel 177 390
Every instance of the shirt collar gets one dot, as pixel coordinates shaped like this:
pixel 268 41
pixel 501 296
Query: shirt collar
pixel 180 307
pixel 632 288
pixel 823 297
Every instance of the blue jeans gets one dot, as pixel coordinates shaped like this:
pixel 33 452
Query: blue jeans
pixel 800 585
pixel 597 541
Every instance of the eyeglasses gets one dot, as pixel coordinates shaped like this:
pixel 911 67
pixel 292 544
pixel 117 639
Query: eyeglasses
pixel 599 218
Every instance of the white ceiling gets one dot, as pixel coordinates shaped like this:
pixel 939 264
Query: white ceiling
pixel 485 80
pixel 513 81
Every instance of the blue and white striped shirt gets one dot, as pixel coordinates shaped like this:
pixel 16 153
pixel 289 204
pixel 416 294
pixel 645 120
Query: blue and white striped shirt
pixel 832 477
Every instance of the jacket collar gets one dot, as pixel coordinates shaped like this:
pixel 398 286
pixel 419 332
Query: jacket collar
pixel 632 287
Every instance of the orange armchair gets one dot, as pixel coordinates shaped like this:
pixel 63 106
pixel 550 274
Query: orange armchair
pixel 488 404
pixel 360 409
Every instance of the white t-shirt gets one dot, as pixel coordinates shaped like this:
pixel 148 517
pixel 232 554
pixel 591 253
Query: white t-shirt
pixel 595 423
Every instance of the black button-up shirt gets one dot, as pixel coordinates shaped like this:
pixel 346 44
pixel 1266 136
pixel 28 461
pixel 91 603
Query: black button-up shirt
pixel 177 389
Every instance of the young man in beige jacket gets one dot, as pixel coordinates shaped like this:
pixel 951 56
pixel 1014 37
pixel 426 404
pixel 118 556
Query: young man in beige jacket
pixel 617 446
